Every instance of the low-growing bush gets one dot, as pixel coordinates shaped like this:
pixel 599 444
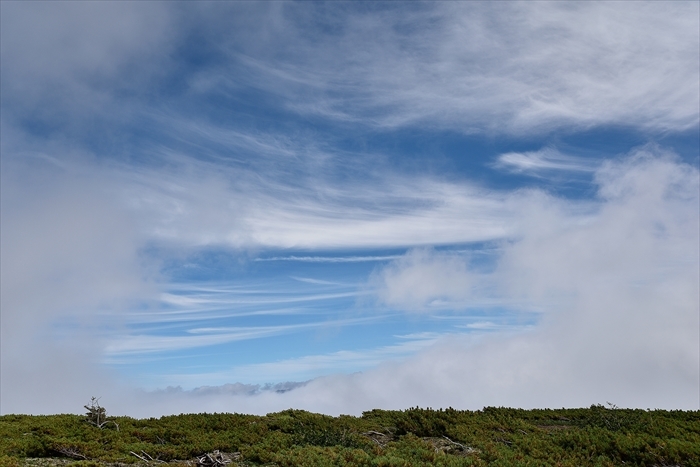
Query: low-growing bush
pixel 494 436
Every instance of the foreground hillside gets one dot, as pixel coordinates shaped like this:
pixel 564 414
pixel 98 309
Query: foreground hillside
pixel 597 436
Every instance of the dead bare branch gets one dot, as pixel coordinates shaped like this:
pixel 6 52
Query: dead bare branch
pixel 466 449
pixel 132 452
pixel 213 459
pixel 380 438
pixel 71 452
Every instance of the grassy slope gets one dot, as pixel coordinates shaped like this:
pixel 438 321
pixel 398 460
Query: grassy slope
pixel 596 436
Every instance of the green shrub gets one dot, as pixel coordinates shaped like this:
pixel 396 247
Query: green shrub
pixel 596 436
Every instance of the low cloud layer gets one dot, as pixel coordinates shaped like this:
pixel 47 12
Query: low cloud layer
pixel 618 290
pixel 616 286
pixel 422 279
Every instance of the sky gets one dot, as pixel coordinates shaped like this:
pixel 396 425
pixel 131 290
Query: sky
pixel 254 206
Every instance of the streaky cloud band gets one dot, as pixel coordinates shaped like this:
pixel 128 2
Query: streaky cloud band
pixel 331 259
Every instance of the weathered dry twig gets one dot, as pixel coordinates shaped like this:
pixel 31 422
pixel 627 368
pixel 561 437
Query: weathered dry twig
pixel 373 435
pixel 504 441
pixel 148 458
pixel 455 442
pixel 132 452
pixel 466 449
pixel 213 459
pixel 71 452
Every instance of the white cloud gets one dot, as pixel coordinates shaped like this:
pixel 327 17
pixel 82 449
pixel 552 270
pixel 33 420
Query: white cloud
pixel 69 253
pixel 517 67
pixel 330 259
pixel 619 284
pixel 542 161
pixel 138 345
pixel 620 293
pixel 424 279
pixel 619 289
pixel 308 367
pixel 626 265
pixel 66 62
pixel 255 211
pixel 472 67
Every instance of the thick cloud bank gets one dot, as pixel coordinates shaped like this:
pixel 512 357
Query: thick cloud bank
pixel 618 290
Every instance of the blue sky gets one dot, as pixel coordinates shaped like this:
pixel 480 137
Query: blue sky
pixel 250 206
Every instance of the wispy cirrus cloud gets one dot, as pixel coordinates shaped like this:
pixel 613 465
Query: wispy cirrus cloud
pixel 538 163
pixel 140 344
pixel 465 67
pixel 312 366
pixel 331 259
pixel 462 67
pixel 250 211
pixel 198 314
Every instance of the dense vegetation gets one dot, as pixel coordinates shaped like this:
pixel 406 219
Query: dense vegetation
pixel 597 436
